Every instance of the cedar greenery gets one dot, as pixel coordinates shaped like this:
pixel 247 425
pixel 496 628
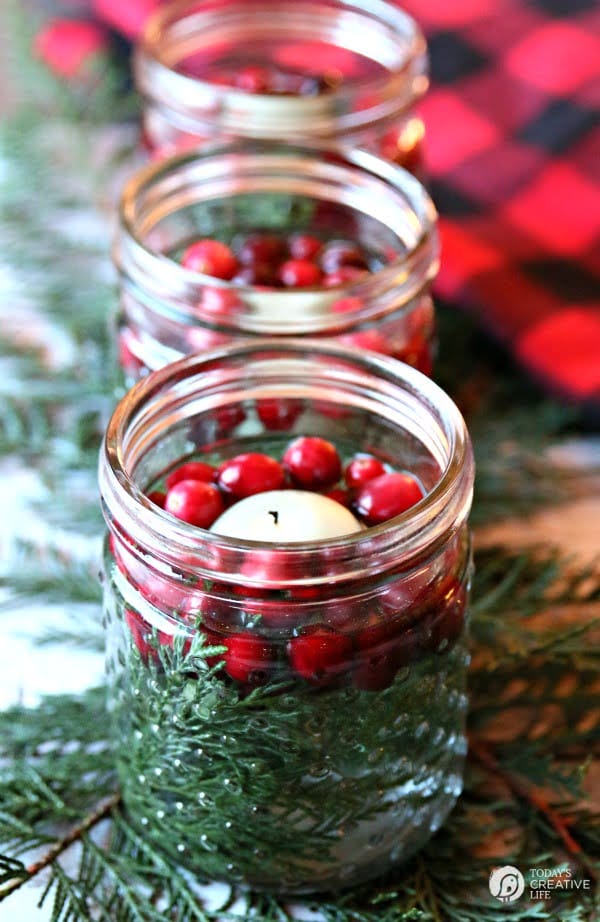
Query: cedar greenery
pixel 534 669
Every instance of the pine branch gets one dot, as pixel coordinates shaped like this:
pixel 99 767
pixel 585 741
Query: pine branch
pixel 103 809
pixel 538 801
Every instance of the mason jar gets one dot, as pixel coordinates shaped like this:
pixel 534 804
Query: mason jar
pixel 228 190
pixel 238 755
pixel 339 70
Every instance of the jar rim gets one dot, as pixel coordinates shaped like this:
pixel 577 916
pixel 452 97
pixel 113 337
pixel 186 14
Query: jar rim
pixel 195 101
pixel 372 181
pixel 399 540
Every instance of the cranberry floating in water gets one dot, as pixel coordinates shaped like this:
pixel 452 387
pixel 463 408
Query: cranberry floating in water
pixel 342 253
pixel 279 413
pixel 249 659
pixel 249 473
pixel 387 496
pixel 158 498
pixel 210 257
pixel 320 654
pixel 299 273
pixel 265 249
pixel 196 502
pixel 253 80
pixel 191 470
pixel 303 246
pixel 313 463
pixel 361 470
pixel 343 276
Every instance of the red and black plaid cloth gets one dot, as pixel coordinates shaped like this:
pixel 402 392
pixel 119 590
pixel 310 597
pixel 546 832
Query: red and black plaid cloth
pixel 514 166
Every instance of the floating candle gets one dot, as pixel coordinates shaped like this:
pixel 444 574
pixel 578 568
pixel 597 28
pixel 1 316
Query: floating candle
pixel 282 516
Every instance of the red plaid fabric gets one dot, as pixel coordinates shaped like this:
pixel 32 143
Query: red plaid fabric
pixel 514 167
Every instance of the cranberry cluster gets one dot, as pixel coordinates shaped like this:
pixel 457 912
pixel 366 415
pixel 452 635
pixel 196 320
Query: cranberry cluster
pixel 198 493
pixel 346 641
pixel 272 261
pixel 343 645
pixel 274 81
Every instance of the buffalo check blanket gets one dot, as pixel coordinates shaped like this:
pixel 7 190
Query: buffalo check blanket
pixel 514 167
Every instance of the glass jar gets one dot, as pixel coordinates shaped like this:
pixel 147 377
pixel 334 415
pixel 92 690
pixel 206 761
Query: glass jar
pixel 251 769
pixel 346 71
pixel 167 311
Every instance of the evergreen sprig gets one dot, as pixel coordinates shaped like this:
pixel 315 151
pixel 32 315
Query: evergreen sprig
pixel 524 791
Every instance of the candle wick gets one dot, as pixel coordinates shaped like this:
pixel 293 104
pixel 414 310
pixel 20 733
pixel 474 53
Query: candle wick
pixel 275 516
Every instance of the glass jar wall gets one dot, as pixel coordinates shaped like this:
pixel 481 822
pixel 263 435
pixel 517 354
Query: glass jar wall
pixel 235 755
pixel 338 70
pixel 233 192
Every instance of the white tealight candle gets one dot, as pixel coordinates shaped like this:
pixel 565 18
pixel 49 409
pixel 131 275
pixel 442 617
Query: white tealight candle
pixel 282 516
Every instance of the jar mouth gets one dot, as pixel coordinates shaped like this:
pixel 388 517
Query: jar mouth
pixel 385 197
pixel 379 385
pixel 373 29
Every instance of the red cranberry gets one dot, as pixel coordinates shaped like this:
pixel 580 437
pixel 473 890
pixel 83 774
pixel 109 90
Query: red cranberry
pixel 349 305
pixel 278 414
pixel 417 353
pixel 113 547
pixel 141 631
pixel 196 502
pixel 210 257
pixel 250 473
pixel 253 80
pixel 191 470
pixel 312 463
pixel 303 246
pixel 398 600
pixel 158 498
pixel 299 273
pixel 166 594
pixel 361 470
pixel 256 274
pixel 338 495
pixel 262 249
pixel 368 341
pixel 249 658
pixel 386 496
pixel 446 625
pixel 342 276
pixel 381 652
pixel 221 302
pixel 202 340
pixel 273 615
pixel 320 654
pixel 260 566
pixel 228 419
pixel 340 253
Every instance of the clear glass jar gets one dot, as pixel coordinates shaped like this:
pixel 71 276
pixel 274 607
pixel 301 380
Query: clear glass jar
pixel 365 65
pixel 289 783
pixel 167 311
